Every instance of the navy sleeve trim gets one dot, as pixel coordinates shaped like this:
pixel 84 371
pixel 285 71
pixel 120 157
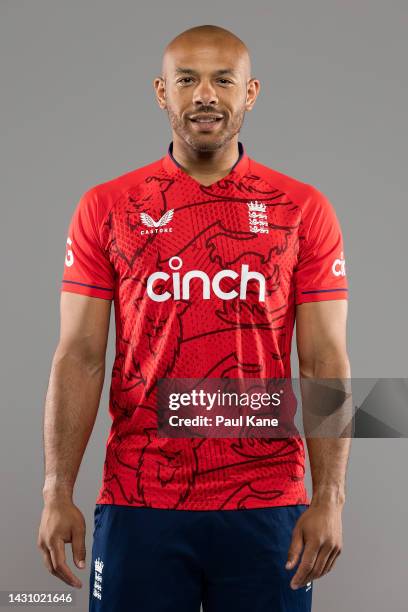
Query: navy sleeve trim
pixel 326 290
pixel 86 285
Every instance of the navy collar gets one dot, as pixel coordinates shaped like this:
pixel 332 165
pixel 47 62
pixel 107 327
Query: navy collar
pixel 171 165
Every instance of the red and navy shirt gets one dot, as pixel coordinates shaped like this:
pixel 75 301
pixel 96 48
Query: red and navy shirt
pixel 256 244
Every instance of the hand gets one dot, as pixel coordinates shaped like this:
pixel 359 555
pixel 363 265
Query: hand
pixel 318 532
pixel 62 522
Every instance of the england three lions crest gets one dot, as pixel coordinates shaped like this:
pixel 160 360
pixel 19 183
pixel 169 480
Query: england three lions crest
pixel 257 217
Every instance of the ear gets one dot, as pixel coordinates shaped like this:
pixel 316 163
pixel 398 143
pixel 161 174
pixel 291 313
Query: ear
pixel 160 89
pixel 253 88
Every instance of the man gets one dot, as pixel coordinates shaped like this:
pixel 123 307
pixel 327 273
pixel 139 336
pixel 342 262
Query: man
pixel 226 522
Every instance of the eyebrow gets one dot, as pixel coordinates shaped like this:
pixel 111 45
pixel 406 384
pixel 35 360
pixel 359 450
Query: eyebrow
pixel 220 72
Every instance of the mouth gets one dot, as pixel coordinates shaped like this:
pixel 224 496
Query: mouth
pixel 207 121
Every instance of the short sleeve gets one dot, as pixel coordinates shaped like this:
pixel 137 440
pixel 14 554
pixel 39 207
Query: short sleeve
pixel 320 273
pixel 87 268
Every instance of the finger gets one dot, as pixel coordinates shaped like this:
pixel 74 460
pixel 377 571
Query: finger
pixel 320 563
pixel 331 561
pixel 48 563
pixel 307 562
pixel 61 570
pixel 57 552
pixel 78 547
pixel 295 549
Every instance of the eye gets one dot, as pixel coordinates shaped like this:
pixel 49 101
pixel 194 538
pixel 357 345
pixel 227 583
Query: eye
pixel 184 79
pixel 225 81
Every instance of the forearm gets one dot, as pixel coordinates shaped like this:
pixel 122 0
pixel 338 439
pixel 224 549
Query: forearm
pixel 328 456
pixel 328 464
pixel 71 405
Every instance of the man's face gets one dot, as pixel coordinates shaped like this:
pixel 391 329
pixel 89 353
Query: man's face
pixel 205 93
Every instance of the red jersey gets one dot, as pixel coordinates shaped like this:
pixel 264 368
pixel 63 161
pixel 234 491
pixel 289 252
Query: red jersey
pixel 278 240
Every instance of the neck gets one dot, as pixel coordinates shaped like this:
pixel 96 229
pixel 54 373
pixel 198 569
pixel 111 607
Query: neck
pixel 208 164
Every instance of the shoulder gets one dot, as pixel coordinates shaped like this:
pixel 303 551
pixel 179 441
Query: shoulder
pixel 100 198
pixel 285 182
pixel 307 196
pixel 131 179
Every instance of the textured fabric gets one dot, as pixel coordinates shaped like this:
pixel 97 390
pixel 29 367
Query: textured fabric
pixel 157 560
pixel 205 281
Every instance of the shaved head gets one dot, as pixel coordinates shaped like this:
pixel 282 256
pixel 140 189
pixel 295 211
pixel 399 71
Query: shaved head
pixel 202 36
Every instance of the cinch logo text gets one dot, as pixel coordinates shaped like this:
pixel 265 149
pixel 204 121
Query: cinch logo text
pixel 181 284
pixel 339 266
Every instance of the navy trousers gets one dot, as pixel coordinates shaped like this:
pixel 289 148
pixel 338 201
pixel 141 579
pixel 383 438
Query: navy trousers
pixel 156 560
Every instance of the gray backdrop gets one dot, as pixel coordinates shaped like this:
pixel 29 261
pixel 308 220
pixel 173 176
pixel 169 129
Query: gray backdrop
pixel 78 108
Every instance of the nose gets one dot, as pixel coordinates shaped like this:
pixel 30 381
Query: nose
pixel 204 94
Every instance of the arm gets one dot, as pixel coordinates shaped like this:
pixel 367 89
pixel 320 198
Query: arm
pixel 71 405
pixel 321 344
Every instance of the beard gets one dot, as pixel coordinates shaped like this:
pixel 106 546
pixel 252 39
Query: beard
pixel 206 142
